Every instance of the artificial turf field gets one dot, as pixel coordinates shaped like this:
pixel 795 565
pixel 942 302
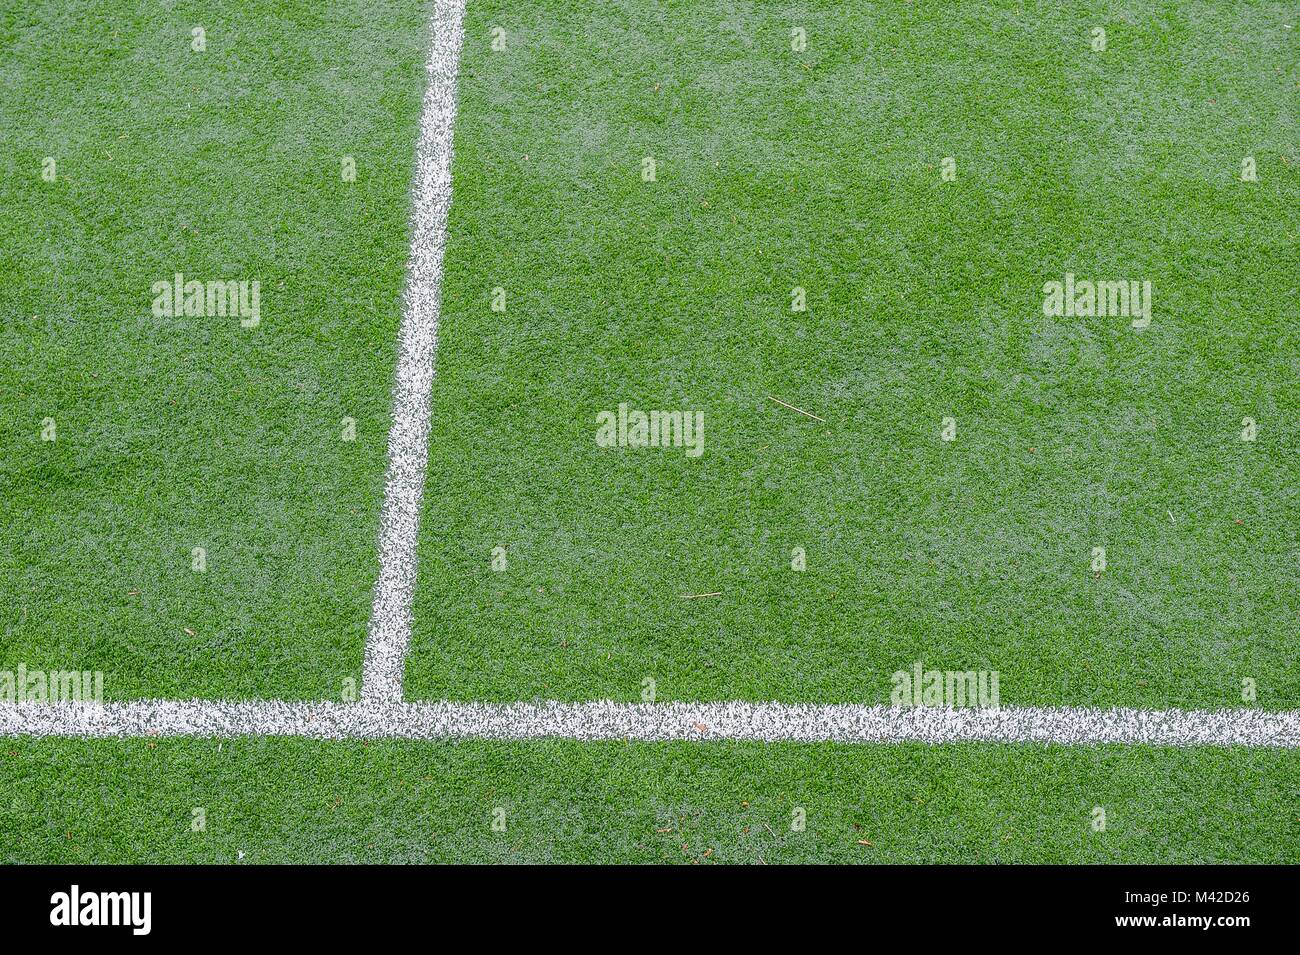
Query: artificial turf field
pixel 774 169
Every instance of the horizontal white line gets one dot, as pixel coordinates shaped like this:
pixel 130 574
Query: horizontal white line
pixel 607 720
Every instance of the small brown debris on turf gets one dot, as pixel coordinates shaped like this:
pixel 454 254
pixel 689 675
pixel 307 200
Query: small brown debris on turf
pixel 864 842
pixel 716 593
pixel 793 408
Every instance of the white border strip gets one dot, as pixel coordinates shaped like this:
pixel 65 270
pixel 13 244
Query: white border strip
pixel 408 439
pixel 607 720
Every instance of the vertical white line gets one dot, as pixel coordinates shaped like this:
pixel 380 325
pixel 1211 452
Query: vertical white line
pixel 408 440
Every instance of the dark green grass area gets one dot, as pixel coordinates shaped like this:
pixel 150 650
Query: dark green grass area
pixel 176 433
pixel 278 800
pixel 821 169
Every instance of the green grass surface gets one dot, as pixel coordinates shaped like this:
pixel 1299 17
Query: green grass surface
pixel 820 169
pixel 775 169
pixel 306 801
pixel 194 432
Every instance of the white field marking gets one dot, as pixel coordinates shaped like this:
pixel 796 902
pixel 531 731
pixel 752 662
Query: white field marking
pixel 607 720
pixel 389 634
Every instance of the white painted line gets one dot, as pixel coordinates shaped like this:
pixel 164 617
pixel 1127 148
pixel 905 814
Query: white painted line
pixel 408 440
pixel 607 720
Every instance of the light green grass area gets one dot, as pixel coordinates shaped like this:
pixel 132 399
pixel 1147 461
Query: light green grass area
pixel 308 801
pixel 176 433
pixel 822 169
